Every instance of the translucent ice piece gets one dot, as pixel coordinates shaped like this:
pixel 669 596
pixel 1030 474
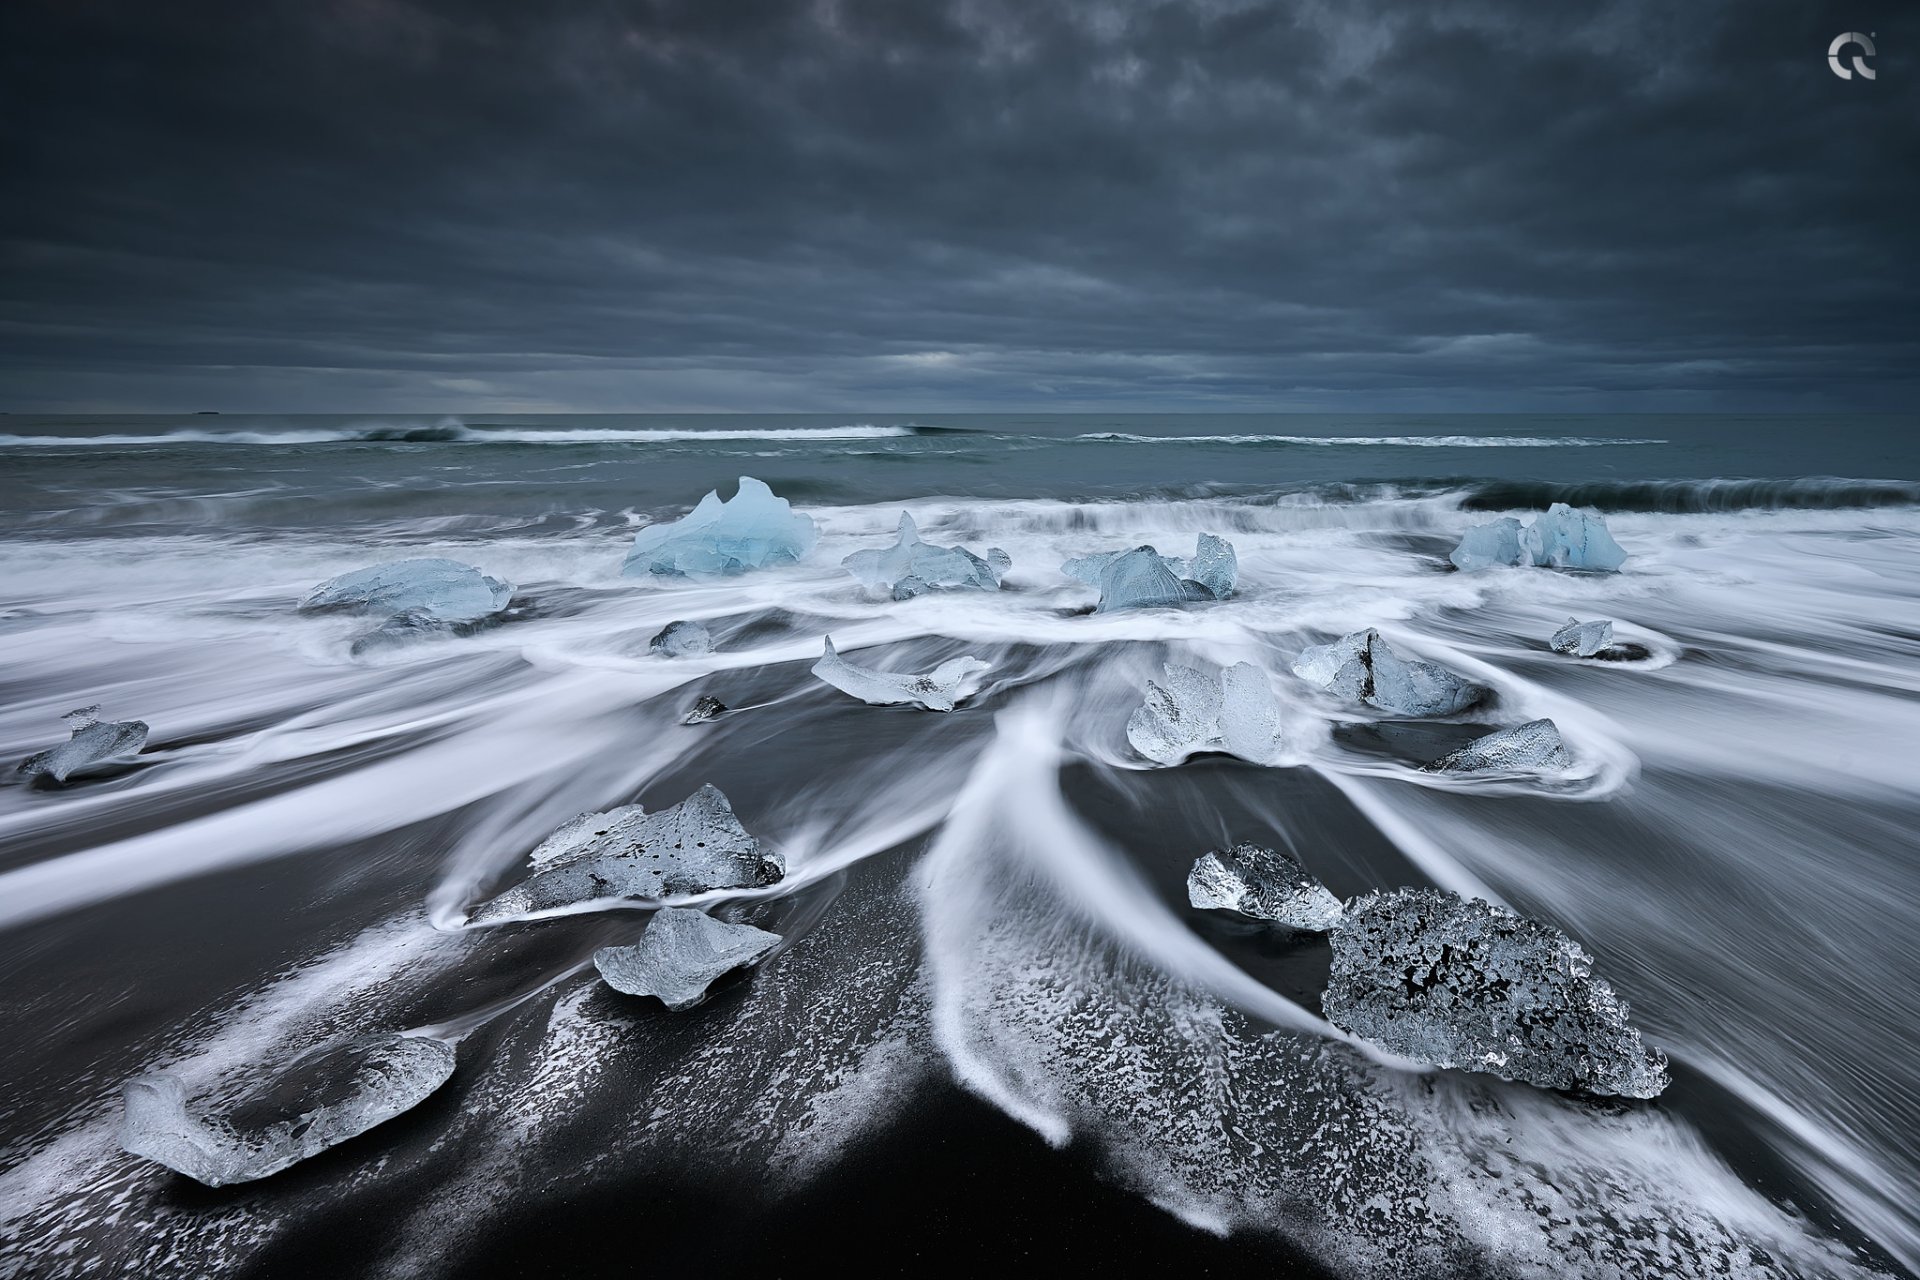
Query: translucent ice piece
pixel 910 566
pixel 91 742
pixel 1568 539
pixel 1460 983
pixel 1582 639
pixel 1213 565
pixel 751 530
pixel 1533 747
pixel 1265 883
pixel 445 589
pixel 318 1101
pixel 680 954
pixel 938 690
pixel 1486 545
pixel 682 639
pixel 1178 718
pixel 1363 667
pixel 402 629
pixel 1249 714
pixel 692 847
pixel 1142 578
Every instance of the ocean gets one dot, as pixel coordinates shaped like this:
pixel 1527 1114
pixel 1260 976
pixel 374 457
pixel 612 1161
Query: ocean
pixel 994 1034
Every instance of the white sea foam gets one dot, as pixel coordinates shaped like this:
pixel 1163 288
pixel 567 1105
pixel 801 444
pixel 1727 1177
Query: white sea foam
pixel 1411 442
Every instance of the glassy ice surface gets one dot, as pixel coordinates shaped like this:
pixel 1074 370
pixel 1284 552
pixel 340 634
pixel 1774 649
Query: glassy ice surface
pixel 751 530
pixel 1249 714
pixel 318 1101
pixel 432 585
pixel 1142 578
pixel 938 690
pixel 402 629
pixel 1561 539
pixel 1582 639
pixel 1533 747
pixel 680 955
pixel 91 741
pixel 1363 667
pixel 627 852
pixel 1461 983
pixel 910 567
pixel 1179 717
pixel 682 639
pixel 1268 884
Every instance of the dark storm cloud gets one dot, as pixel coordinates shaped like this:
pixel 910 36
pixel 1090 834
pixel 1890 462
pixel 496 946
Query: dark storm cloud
pixel 906 204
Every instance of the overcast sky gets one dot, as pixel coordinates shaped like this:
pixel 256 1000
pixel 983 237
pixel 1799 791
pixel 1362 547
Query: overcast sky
pixel 438 205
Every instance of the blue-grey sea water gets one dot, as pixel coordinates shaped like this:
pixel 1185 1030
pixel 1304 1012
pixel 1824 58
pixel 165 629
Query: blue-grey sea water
pixel 985 909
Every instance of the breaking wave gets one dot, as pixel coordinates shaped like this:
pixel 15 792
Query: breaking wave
pixel 1410 442
pixel 449 431
pixel 1677 497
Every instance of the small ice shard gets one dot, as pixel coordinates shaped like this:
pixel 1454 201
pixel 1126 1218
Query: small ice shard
pixel 1582 639
pixel 911 567
pixel 627 852
pixel 442 588
pixel 318 1101
pixel 1178 718
pixel 1142 578
pixel 1363 667
pixel 1533 747
pixel 1561 539
pixel 682 639
pixel 1265 883
pixel 680 955
pixel 704 709
pixel 938 690
pixel 751 530
pixel 1460 983
pixel 1249 714
pixel 92 741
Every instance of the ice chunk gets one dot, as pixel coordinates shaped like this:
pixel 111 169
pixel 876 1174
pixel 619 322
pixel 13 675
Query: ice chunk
pixel 910 567
pixel 1533 747
pixel 1363 667
pixel 682 639
pixel 318 1101
pixel 1235 712
pixel 92 741
pixel 1143 578
pixel 1561 539
pixel 1460 983
pixel 751 530
pixel 681 952
pixel 627 852
pixel 704 709
pixel 1582 639
pixel 1249 714
pixel 401 629
pixel 938 690
pixel 442 588
pixel 1265 883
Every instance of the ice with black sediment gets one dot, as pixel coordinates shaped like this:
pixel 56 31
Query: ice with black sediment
pixel 1533 747
pixel 1142 578
pixel 318 1101
pixel 680 955
pixel 1459 982
pixel 433 586
pixel 911 567
pixel 625 853
pixel 705 708
pixel 1562 538
pixel 1268 884
pixel 682 640
pixel 1235 712
pixel 940 689
pixel 91 741
pixel 1363 667
pixel 754 529
pixel 1582 639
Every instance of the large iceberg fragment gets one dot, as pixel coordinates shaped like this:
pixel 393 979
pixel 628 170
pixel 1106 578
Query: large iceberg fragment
pixel 1561 539
pixel 627 852
pixel 911 567
pixel 1363 667
pixel 682 640
pixel 1268 884
pixel 91 741
pixel 938 690
pixel 1142 578
pixel 1582 639
pixel 1533 747
pixel 680 955
pixel 435 586
pixel 318 1101
pixel 1235 712
pixel 751 530
pixel 1461 983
